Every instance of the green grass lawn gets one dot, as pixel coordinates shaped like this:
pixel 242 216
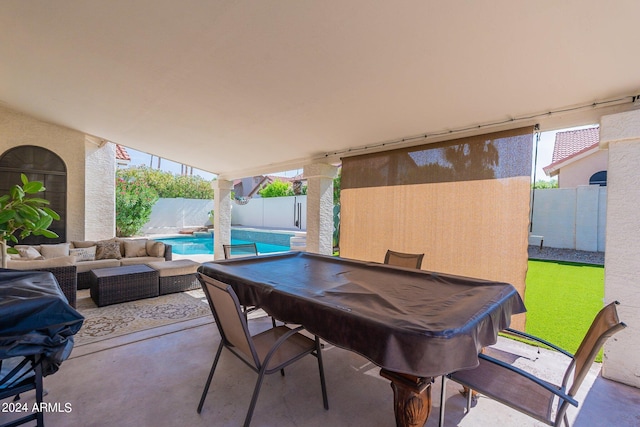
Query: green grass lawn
pixel 562 300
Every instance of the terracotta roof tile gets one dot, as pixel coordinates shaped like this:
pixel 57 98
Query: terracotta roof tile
pixel 121 153
pixel 572 142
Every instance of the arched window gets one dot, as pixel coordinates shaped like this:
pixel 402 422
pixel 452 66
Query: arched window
pixel 599 178
pixel 38 164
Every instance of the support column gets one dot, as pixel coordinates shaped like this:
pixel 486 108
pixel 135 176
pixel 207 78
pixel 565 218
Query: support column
pixel 620 133
pixel 320 207
pixel 222 215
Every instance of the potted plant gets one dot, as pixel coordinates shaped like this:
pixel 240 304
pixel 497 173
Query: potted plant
pixel 28 215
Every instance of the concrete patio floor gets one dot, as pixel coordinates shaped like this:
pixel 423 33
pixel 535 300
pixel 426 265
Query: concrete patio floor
pixel 155 378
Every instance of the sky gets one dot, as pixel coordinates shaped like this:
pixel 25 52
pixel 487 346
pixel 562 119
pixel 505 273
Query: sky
pixel 139 158
pixel 545 153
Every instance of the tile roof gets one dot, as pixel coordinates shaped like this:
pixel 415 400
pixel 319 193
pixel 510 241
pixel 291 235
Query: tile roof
pixel 574 141
pixel 121 153
pixel 570 144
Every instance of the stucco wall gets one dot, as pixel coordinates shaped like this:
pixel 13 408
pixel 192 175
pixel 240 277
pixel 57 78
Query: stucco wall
pixel 100 196
pixel 621 133
pixel 73 147
pixel 579 172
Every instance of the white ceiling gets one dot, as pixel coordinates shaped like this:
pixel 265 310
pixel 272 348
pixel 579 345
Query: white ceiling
pixel 246 87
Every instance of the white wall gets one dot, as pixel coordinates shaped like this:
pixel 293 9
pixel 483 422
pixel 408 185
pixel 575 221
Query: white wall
pixel 272 212
pixel 571 218
pixel 172 215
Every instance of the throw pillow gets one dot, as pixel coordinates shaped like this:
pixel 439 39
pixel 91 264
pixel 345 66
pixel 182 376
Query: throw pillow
pixel 108 250
pixel 155 249
pixel 19 258
pixel 54 251
pixel 84 254
pixel 121 241
pixel 83 244
pixel 29 253
pixel 135 248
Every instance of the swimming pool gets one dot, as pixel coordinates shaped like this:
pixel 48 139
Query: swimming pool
pixel 195 245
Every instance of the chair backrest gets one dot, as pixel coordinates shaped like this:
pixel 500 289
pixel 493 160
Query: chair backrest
pixel 230 320
pixel 400 259
pixel 605 324
pixel 240 250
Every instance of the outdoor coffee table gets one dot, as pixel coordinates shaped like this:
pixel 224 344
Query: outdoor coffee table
pixel 119 284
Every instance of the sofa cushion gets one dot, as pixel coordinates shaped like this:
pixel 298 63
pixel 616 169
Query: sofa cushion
pixel 135 248
pixel 54 251
pixel 85 266
pixel 108 249
pixel 84 254
pixel 155 249
pixel 178 267
pixel 45 263
pixel 139 260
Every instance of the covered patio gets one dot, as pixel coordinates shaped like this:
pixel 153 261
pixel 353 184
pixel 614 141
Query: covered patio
pixel 241 89
pixel 156 378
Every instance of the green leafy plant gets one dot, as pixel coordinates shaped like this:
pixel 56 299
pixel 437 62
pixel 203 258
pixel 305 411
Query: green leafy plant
pixel 277 189
pixel 542 184
pixel 24 215
pixel 134 201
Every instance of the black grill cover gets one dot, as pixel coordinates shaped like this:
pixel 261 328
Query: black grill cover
pixel 35 318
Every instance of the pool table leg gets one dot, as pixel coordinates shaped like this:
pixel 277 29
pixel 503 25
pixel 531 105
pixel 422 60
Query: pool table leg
pixel 411 398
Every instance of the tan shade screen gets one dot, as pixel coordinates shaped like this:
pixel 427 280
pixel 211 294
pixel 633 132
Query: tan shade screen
pixel 463 203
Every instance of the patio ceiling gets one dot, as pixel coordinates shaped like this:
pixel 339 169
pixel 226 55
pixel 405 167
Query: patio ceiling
pixel 240 88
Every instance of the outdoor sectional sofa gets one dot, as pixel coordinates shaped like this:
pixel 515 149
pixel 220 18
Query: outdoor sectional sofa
pixel 71 263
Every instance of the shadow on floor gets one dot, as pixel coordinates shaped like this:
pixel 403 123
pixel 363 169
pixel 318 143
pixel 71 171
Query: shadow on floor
pixel 157 380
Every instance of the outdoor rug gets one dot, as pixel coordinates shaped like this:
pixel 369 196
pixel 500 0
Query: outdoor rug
pixel 115 320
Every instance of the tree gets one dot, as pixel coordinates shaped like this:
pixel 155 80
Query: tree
pixel 170 186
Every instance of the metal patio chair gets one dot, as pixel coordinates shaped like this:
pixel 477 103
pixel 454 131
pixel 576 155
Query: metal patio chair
pixel 527 393
pixel 240 250
pixel 265 353
pixel 400 259
pixel 22 374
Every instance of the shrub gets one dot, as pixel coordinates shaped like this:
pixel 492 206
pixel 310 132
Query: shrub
pixel 277 189
pixel 134 200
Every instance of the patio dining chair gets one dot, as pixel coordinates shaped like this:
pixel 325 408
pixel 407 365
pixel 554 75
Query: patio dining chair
pixel 19 375
pixel 400 259
pixel 240 250
pixel 525 392
pixel 265 353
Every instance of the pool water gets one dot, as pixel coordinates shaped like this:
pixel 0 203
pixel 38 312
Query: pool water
pixel 198 245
